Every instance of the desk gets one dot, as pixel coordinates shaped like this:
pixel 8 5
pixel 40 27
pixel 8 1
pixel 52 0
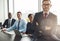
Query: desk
pixel 9 36
pixel 6 36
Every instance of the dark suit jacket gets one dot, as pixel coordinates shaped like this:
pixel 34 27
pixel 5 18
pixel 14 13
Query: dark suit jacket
pixel 6 23
pixel 40 22
pixel 29 29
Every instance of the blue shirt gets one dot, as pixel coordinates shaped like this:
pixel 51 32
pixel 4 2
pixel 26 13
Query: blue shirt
pixel 22 26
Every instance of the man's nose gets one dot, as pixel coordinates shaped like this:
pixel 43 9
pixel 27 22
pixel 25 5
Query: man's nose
pixel 46 6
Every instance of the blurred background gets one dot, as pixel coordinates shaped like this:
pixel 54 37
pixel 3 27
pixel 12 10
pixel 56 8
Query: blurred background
pixel 26 7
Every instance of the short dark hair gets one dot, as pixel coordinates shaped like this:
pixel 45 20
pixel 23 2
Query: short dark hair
pixel 46 0
pixel 19 12
pixel 29 15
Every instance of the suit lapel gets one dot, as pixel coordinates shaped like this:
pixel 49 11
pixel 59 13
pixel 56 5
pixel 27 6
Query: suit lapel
pixel 49 16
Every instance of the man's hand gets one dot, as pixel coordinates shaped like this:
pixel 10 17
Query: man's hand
pixel 29 34
pixel 4 29
pixel 47 28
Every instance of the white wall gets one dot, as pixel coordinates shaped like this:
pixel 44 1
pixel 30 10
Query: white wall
pixel 39 5
pixel 11 6
pixel 56 9
pixel 3 10
pixel 25 6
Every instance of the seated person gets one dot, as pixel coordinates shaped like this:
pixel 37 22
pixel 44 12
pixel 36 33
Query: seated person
pixel 8 22
pixel 19 27
pixel 30 30
pixel 29 24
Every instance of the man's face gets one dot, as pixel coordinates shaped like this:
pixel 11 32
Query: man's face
pixel 46 5
pixel 19 15
pixel 9 15
pixel 31 18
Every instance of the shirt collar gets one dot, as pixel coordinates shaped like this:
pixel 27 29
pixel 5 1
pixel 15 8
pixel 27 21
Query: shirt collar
pixel 45 12
pixel 10 19
pixel 19 19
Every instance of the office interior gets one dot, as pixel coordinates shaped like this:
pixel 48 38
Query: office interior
pixel 26 7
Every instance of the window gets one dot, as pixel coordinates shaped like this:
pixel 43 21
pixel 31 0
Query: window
pixel 25 6
pixel 56 9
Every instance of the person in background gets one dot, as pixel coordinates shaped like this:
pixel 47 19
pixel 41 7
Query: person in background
pixel 29 24
pixel 30 30
pixel 44 23
pixel 19 27
pixel 8 22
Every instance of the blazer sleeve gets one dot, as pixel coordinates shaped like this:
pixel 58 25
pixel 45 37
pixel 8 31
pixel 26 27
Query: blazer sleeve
pixel 12 27
pixel 13 21
pixel 55 21
pixel 5 23
pixel 35 20
pixel 34 23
